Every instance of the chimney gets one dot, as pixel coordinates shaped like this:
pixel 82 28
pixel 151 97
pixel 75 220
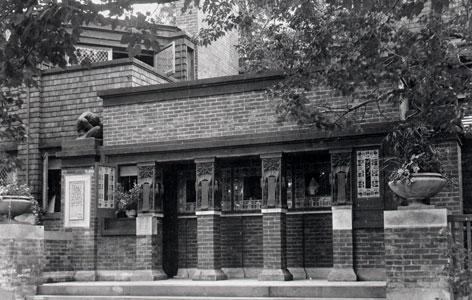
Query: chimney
pixel 221 57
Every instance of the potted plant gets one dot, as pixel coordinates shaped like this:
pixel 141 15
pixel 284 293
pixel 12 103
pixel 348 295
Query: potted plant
pixel 418 174
pixel 15 200
pixel 127 201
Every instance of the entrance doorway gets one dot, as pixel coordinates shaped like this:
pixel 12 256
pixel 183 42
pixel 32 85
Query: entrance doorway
pixel 170 222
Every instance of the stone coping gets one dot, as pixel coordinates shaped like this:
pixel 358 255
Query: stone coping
pixel 194 88
pixel 58 236
pixel 415 218
pixel 259 214
pixel 107 64
pixel 21 231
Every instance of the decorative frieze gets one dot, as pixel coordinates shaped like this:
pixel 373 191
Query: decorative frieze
pixel 341 176
pixel 150 179
pixel 206 185
pixel 272 182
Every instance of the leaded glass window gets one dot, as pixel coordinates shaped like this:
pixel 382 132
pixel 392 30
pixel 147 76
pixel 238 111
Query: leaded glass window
pixel 368 173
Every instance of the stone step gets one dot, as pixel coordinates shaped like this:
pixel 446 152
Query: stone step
pixel 208 290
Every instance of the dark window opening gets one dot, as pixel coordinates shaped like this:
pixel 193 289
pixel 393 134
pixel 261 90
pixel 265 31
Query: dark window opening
pixel 190 191
pixel 54 191
pixel 148 59
pixel 252 188
pixel 190 64
pixel 317 181
pixel 128 182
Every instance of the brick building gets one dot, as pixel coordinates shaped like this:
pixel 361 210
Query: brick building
pixel 228 191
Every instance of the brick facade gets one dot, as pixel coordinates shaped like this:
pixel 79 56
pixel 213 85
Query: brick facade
pixel 205 117
pixel 116 253
pixel 416 254
pixel 301 239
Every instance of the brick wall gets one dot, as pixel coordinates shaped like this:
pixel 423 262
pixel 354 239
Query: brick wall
pixel 415 256
pixel 241 241
pixel 187 243
pixel 58 255
pixel 318 241
pixel 116 253
pixel 21 259
pixel 28 152
pixel 232 246
pixel 65 95
pixel 205 117
pixel 369 249
pixel 295 240
pixel 274 240
pixel 209 247
pixel 252 242
pixel 451 195
pixel 342 249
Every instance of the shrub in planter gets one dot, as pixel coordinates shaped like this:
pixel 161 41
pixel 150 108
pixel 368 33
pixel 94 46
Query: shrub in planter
pixel 127 201
pixel 418 174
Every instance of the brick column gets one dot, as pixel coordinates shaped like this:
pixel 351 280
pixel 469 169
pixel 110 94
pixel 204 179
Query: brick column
pixel 416 252
pixel 208 222
pixel 274 203
pixel 343 251
pixel 149 247
pixel 149 223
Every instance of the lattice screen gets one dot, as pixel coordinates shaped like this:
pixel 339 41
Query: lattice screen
pixel 165 60
pixel 7 177
pixel 93 54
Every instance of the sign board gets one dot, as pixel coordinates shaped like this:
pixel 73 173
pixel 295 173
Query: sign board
pixel 77 200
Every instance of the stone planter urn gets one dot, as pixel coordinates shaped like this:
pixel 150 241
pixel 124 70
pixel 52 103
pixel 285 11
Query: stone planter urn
pixel 12 206
pixel 422 186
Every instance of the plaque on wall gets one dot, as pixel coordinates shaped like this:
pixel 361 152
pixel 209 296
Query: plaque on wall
pixel 77 200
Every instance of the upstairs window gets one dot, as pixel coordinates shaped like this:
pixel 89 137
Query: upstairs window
pixel 92 54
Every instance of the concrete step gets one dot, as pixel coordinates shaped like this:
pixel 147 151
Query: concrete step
pixel 227 290
pixel 65 297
